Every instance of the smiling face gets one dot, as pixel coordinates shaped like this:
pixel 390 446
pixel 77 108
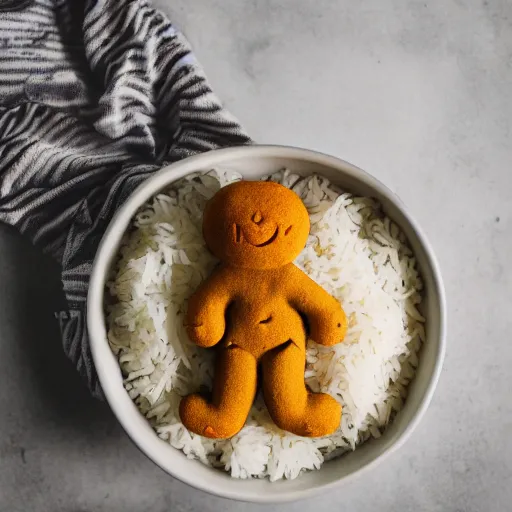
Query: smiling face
pixel 255 224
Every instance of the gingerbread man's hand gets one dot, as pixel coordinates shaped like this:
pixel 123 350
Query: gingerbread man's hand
pixel 328 325
pixel 326 318
pixel 206 315
pixel 205 335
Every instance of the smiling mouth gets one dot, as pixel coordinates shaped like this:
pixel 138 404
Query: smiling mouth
pixel 269 241
pixel 239 237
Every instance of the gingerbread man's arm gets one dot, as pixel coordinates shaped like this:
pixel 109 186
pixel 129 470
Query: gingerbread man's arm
pixel 327 320
pixel 206 315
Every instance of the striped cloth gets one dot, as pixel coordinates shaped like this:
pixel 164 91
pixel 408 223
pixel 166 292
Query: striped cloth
pixel 95 95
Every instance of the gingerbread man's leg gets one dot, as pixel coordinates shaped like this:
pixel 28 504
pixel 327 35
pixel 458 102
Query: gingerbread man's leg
pixel 234 389
pixel 292 407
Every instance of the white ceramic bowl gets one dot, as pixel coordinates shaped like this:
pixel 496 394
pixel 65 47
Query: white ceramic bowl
pixel 254 162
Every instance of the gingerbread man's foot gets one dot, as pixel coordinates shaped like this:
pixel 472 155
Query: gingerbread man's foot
pixel 322 416
pixel 292 407
pixel 234 389
pixel 318 416
pixel 206 420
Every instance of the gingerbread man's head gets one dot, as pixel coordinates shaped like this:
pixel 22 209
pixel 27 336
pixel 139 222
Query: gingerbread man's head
pixel 255 224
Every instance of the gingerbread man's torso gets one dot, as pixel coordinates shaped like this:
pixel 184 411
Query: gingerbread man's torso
pixel 259 310
pixel 260 316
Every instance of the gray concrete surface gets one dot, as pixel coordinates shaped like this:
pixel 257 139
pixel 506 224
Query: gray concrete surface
pixel 420 94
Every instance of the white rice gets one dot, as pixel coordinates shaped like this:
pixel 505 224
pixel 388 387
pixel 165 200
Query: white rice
pixel 354 252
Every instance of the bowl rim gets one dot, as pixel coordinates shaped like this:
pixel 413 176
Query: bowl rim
pixel 161 179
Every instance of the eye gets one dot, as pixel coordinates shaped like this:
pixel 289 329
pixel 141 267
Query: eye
pixel 238 233
pixel 257 218
pixel 288 229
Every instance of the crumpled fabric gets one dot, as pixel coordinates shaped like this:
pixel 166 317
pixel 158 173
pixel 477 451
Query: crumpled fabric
pixel 95 96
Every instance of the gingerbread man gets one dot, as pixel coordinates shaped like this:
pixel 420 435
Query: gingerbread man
pixel 254 309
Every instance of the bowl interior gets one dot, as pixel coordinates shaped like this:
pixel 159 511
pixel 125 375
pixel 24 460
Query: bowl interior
pixel 254 162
